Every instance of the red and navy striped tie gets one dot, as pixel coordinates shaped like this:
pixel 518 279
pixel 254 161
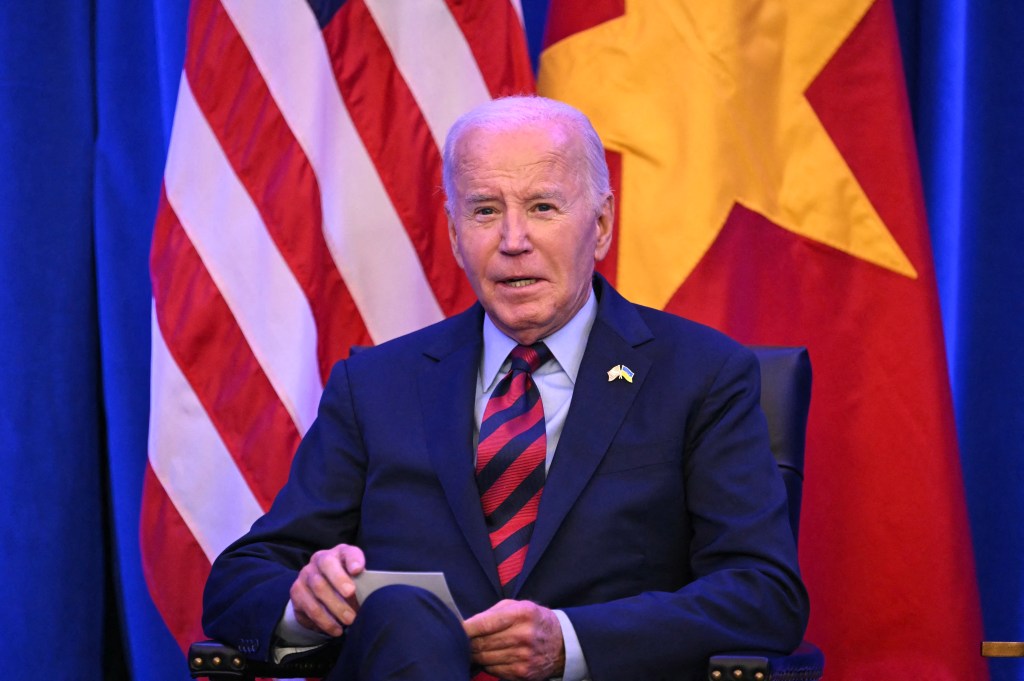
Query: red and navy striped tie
pixel 510 461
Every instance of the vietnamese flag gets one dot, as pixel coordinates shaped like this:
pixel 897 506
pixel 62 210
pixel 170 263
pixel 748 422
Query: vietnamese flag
pixel 767 185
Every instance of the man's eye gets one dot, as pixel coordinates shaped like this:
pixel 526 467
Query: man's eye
pixel 485 211
pixel 543 207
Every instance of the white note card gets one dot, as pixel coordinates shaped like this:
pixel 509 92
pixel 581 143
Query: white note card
pixel 369 581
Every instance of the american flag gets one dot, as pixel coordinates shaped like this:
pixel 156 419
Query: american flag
pixel 301 214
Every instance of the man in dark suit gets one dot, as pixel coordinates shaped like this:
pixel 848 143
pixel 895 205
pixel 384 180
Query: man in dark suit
pixel 648 531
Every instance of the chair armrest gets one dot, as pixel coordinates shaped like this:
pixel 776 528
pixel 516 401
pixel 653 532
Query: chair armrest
pixel 806 663
pixel 218 661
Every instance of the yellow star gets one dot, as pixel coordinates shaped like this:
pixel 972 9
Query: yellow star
pixel 705 102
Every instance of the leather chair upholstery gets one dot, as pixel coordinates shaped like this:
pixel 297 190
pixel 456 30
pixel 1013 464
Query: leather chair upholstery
pixel 785 401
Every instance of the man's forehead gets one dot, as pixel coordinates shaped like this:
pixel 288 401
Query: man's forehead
pixel 536 134
pixel 527 150
pixel 545 176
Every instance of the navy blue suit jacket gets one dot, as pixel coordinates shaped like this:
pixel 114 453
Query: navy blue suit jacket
pixel 662 531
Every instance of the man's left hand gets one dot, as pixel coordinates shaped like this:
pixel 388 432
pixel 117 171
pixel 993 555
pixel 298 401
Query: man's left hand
pixel 517 640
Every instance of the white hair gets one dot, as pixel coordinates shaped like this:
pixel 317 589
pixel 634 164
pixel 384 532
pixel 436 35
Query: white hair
pixel 520 110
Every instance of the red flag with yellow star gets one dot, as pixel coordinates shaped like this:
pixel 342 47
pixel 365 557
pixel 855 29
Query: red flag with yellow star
pixel 767 185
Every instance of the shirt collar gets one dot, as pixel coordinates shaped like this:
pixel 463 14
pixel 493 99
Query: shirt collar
pixel 567 345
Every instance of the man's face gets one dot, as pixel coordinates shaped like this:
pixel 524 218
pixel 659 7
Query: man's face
pixel 524 227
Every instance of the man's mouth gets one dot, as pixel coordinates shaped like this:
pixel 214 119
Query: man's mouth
pixel 519 283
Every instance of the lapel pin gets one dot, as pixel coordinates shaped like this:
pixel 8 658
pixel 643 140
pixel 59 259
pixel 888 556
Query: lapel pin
pixel 620 371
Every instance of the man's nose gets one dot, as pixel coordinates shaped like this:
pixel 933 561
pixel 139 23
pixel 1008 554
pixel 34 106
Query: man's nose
pixel 515 233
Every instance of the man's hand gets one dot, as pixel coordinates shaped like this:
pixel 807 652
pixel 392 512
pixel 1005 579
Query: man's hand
pixel 323 595
pixel 517 640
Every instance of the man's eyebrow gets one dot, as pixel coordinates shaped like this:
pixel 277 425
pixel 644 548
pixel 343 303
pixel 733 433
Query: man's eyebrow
pixel 479 197
pixel 539 195
pixel 545 194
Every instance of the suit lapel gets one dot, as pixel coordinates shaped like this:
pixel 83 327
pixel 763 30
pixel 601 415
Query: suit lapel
pixel 598 409
pixel 446 387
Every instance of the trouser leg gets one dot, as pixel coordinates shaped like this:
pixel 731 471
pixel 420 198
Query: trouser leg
pixel 403 633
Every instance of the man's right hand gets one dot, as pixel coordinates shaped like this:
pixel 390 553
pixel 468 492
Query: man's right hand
pixel 323 595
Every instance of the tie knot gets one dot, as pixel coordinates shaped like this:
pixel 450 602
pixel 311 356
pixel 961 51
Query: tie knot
pixel 529 358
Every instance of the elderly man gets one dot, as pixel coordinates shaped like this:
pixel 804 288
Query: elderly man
pixel 592 477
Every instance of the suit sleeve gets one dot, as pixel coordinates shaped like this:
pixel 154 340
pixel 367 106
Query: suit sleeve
pixel 745 592
pixel 248 587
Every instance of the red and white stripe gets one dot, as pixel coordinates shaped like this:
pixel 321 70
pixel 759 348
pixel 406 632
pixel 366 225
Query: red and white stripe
pixel 300 215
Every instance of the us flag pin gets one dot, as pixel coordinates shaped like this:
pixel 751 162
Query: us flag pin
pixel 620 371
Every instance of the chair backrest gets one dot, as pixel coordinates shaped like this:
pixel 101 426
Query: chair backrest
pixel 786 400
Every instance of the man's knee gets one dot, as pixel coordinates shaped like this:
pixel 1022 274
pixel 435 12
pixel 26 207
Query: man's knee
pixel 404 606
pixel 404 632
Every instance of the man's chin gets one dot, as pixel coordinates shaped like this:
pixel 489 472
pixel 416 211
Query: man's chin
pixel 524 328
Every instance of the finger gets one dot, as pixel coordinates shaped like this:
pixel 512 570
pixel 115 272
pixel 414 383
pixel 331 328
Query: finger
pixel 498 617
pixel 327 578
pixel 499 660
pixel 352 558
pixel 352 562
pixel 310 611
pixel 492 658
pixel 329 585
pixel 515 636
pixel 336 566
pixel 516 670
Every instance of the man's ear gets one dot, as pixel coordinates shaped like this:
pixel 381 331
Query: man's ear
pixel 605 223
pixel 453 238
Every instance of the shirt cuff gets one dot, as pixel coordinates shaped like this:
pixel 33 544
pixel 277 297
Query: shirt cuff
pixel 575 664
pixel 290 637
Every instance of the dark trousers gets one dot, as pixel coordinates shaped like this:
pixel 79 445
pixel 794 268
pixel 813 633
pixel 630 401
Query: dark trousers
pixel 403 633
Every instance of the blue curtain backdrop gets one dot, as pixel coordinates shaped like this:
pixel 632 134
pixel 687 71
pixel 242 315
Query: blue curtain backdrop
pixel 87 93
pixel 963 64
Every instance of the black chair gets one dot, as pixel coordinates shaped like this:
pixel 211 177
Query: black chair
pixel 785 400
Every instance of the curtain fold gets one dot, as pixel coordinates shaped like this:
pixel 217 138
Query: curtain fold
pixel 51 530
pixel 139 48
pixel 968 101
